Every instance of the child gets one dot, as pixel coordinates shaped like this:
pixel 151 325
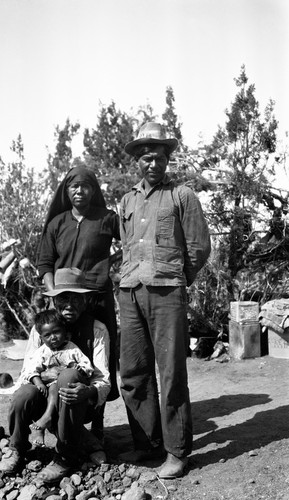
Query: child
pixel 56 351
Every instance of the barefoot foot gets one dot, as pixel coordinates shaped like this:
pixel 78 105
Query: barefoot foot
pixel 37 435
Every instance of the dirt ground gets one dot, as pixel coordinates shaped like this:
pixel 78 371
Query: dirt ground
pixel 241 431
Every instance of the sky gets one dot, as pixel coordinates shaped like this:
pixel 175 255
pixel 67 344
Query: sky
pixel 60 59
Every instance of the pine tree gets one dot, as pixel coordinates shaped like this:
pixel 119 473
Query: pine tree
pixel 239 155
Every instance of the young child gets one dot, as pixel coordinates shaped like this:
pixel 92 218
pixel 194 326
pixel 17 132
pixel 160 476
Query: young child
pixel 56 351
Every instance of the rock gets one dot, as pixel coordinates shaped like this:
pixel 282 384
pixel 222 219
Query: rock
pixel 102 489
pixel 90 482
pixel 8 487
pixel 4 442
pixel 39 483
pixel 133 473
pixel 122 468
pixel 70 491
pixel 64 482
pixel 84 495
pixel 40 491
pixel 101 486
pixel 104 468
pixel 34 466
pixel 12 495
pixel 147 477
pixel 75 479
pixel 27 492
pixel 53 497
pixel 126 481
pixel 172 487
pixel 91 473
pixel 117 491
pixel 134 493
pixel 98 479
pixel 19 480
pixel 107 477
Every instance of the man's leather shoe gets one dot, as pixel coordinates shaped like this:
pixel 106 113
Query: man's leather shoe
pixel 136 456
pixel 173 467
pixel 54 471
pixel 98 457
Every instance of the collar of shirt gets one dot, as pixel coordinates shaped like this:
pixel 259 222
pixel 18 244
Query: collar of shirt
pixel 140 185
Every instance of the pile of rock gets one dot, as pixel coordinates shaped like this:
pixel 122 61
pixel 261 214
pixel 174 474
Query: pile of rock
pixel 106 482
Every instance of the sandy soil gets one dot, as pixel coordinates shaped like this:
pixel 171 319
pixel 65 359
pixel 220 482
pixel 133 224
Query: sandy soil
pixel 241 431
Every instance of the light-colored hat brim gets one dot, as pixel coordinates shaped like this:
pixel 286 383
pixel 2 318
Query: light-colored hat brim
pixel 171 144
pixel 58 291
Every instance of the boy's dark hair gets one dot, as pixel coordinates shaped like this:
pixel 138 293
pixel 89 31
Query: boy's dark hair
pixel 46 317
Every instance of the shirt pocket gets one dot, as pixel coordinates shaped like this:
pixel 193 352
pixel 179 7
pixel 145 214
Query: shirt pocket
pixel 165 223
pixel 169 262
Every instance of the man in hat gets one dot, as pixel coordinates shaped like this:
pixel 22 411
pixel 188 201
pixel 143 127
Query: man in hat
pixel 165 243
pixel 77 401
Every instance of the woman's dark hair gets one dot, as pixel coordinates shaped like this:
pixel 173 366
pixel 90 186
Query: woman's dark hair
pixel 47 317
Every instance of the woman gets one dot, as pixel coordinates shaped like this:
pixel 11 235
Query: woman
pixel 78 232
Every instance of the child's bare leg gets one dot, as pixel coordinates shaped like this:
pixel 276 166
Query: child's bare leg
pixel 44 422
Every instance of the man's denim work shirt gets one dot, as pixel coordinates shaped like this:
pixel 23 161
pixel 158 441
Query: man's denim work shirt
pixel 164 235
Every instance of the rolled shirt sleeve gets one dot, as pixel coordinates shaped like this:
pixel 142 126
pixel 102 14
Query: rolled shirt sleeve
pixel 101 378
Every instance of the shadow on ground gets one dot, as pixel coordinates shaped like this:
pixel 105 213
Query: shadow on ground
pixel 262 429
pixel 204 411
pixel 233 440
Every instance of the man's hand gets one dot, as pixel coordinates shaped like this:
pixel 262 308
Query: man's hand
pixel 74 393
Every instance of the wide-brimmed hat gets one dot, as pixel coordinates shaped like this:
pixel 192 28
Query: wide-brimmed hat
pixel 151 133
pixel 68 279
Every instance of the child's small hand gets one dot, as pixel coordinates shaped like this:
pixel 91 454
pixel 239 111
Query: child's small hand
pixel 43 389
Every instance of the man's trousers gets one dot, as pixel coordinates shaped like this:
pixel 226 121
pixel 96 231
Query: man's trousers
pixel 154 330
pixel 28 405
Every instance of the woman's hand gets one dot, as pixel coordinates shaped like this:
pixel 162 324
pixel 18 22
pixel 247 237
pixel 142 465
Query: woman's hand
pixel 74 393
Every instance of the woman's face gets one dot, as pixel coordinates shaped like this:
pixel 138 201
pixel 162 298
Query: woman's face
pixel 80 194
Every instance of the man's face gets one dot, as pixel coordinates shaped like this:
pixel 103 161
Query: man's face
pixel 153 165
pixel 70 305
